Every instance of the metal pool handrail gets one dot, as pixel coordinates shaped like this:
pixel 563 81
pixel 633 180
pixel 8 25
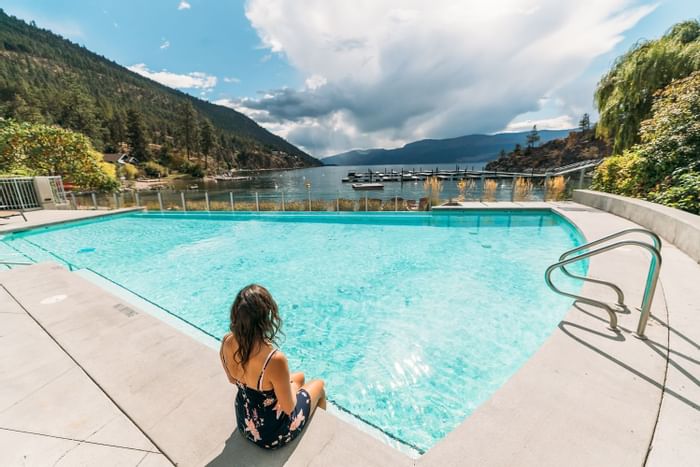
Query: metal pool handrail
pixel 620 295
pixel 649 289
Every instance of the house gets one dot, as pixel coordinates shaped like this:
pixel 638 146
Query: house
pixel 119 159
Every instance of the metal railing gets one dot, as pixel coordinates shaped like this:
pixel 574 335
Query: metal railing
pixel 651 279
pixel 58 192
pixel 18 193
pixel 389 199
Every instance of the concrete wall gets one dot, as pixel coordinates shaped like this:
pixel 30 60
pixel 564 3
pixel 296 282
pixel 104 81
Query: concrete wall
pixel 678 227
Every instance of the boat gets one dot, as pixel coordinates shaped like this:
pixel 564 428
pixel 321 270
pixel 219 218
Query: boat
pixel 228 178
pixel 367 186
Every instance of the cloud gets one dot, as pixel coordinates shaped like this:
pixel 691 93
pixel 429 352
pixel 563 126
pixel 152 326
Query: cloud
pixel 562 122
pixel 389 72
pixel 165 44
pixel 231 79
pixel 184 5
pixel 193 80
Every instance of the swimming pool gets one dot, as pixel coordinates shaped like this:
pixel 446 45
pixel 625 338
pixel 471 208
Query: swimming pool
pixel 413 320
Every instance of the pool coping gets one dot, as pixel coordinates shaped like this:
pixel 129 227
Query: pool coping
pixel 485 438
pixel 81 215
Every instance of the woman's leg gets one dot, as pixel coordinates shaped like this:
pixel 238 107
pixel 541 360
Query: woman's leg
pixel 317 393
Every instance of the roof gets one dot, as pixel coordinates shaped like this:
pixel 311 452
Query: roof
pixel 112 157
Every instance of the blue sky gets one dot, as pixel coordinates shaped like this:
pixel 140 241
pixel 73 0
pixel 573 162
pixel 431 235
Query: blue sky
pixel 331 75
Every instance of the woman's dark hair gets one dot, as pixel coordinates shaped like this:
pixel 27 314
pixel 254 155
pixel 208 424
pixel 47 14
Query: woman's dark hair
pixel 254 320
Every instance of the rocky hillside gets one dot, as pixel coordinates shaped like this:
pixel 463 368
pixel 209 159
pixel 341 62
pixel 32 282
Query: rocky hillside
pixel 576 147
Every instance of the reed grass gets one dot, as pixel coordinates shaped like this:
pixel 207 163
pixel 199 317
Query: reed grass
pixel 464 186
pixel 489 191
pixel 432 187
pixel 522 189
pixel 555 189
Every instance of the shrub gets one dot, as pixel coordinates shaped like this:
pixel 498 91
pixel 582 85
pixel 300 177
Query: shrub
pixel 664 166
pixel 619 174
pixel 35 149
pixel 129 171
pixel 683 192
pixel 153 169
pixel 195 170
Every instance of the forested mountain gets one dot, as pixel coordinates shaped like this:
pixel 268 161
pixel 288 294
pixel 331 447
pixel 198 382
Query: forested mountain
pixel 47 79
pixel 463 149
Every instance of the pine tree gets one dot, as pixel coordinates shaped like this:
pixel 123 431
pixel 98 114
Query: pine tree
pixel 188 128
pixel 585 123
pixel 207 140
pixel 533 137
pixel 136 135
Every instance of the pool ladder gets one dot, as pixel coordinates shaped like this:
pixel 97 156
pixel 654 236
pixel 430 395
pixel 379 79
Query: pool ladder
pixel 588 250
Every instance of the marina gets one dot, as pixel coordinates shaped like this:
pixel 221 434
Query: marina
pixel 412 175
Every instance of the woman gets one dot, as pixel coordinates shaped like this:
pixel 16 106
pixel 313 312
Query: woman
pixel 272 405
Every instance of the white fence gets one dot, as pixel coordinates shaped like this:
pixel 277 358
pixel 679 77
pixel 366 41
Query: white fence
pixel 27 193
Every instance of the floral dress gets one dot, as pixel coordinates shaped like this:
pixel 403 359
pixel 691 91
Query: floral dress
pixel 260 417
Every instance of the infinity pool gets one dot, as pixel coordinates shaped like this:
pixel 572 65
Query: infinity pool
pixel 413 320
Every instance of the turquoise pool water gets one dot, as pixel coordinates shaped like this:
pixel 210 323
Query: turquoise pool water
pixel 413 320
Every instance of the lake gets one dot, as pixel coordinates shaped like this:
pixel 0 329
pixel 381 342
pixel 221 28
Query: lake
pixel 325 182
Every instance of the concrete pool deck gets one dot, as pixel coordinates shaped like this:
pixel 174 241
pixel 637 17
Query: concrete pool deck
pixel 47 217
pixel 86 376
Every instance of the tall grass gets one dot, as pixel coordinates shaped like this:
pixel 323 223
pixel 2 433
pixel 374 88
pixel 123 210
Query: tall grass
pixel 555 189
pixel 464 186
pixel 522 189
pixel 489 191
pixel 432 187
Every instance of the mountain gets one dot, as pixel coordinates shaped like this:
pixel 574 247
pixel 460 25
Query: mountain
pixel 576 147
pixel 45 78
pixel 463 149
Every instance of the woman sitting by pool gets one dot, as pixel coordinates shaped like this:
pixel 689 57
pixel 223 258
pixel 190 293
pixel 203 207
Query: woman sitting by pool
pixel 272 405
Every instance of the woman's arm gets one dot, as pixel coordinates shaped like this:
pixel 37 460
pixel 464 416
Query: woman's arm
pixel 278 372
pixel 223 359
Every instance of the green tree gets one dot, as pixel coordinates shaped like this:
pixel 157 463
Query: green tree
pixel 585 123
pixel 665 166
pixel 624 96
pixel 37 149
pixel 533 137
pixel 136 135
pixel 188 127
pixel 207 140
pixel 77 110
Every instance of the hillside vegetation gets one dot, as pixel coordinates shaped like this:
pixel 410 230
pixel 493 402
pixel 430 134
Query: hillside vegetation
pixel 661 162
pixel 625 94
pixel 576 147
pixel 46 79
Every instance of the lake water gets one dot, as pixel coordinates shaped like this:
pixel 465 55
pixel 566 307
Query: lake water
pixel 325 182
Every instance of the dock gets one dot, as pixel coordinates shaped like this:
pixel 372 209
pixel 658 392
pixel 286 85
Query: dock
pixel 415 175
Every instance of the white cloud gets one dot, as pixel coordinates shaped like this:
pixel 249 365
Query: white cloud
pixel 231 79
pixel 193 80
pixel 389 71
pixel 562 122
pixel 165 44
pixel 184 5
